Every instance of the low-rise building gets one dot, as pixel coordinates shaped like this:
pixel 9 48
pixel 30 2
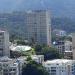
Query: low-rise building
pixel 38 58
pixel 11 66
pixel 20 48
pixel 8 66
pixel 63 46
pixel 59 45
pixel 68 55
pixel 68 46
pixel 21 61
pixel 60 67
pixel 59 32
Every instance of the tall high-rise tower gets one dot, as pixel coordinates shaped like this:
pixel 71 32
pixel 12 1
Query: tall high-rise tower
pixel 73 45
pixel 38 26
pixel 4 43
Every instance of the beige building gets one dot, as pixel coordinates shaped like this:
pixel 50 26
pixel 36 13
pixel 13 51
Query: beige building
pixel 4 43
pixel 68 46
pixel 38 27
pixel 73 45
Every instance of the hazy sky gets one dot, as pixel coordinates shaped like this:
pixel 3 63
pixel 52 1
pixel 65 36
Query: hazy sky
pixel 9 4
pixel 13 4
pixel 56 6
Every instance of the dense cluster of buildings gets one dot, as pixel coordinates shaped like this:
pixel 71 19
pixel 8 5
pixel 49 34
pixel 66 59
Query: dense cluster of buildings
pixel 10 66
pixel 38 30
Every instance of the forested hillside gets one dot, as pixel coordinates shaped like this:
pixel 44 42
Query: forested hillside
pixel 15 24
pixel 66 24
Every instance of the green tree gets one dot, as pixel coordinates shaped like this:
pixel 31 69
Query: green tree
pixel 38 48
pixel 32 68
pixel 29 58
pixel 48 52
pixel 21 42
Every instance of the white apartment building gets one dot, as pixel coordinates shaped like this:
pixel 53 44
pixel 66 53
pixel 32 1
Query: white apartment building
pixel 11 66
pixel 21 61
pixel 63 46
pixel 38 27
pixel 8 66
pixel 4 43
pixel 60 67
pixel 38 58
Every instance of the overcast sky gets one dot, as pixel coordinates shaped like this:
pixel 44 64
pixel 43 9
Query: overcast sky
pixel 56 6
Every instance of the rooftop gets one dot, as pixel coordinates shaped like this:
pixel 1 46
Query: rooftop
pixel 37 56
pixel 21 48
pixel 68 51
pixel 59 61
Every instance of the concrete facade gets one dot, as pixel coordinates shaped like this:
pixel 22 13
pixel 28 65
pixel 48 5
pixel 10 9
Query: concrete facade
pixel 4 43
pixel 38 27
pixel 60 67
